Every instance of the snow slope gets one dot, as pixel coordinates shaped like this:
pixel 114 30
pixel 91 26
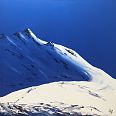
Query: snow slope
pixel 60 78
pixel 82 98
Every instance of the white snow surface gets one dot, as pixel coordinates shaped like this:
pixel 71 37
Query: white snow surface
pixel 53 75
pixel 84 98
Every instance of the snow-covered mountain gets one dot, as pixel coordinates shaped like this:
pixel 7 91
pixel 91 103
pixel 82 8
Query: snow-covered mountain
pixel 58 80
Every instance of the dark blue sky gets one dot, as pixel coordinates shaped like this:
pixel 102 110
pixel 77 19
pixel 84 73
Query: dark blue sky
pixel 87 26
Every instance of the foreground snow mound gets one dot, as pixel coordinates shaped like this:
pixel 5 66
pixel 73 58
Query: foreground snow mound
pixel 61 98
pixel 27 61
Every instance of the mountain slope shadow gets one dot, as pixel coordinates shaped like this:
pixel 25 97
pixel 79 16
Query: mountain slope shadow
pixel 27 61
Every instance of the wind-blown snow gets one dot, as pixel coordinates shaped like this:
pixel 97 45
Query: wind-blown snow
pixel 63 75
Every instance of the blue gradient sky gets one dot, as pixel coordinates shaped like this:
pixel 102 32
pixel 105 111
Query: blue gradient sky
pixel 87 26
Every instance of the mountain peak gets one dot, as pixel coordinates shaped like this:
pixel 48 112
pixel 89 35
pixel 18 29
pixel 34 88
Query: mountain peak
pixel 28 31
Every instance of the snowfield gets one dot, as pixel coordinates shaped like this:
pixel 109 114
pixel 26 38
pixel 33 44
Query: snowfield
pixel 80 97
pixel 41 78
